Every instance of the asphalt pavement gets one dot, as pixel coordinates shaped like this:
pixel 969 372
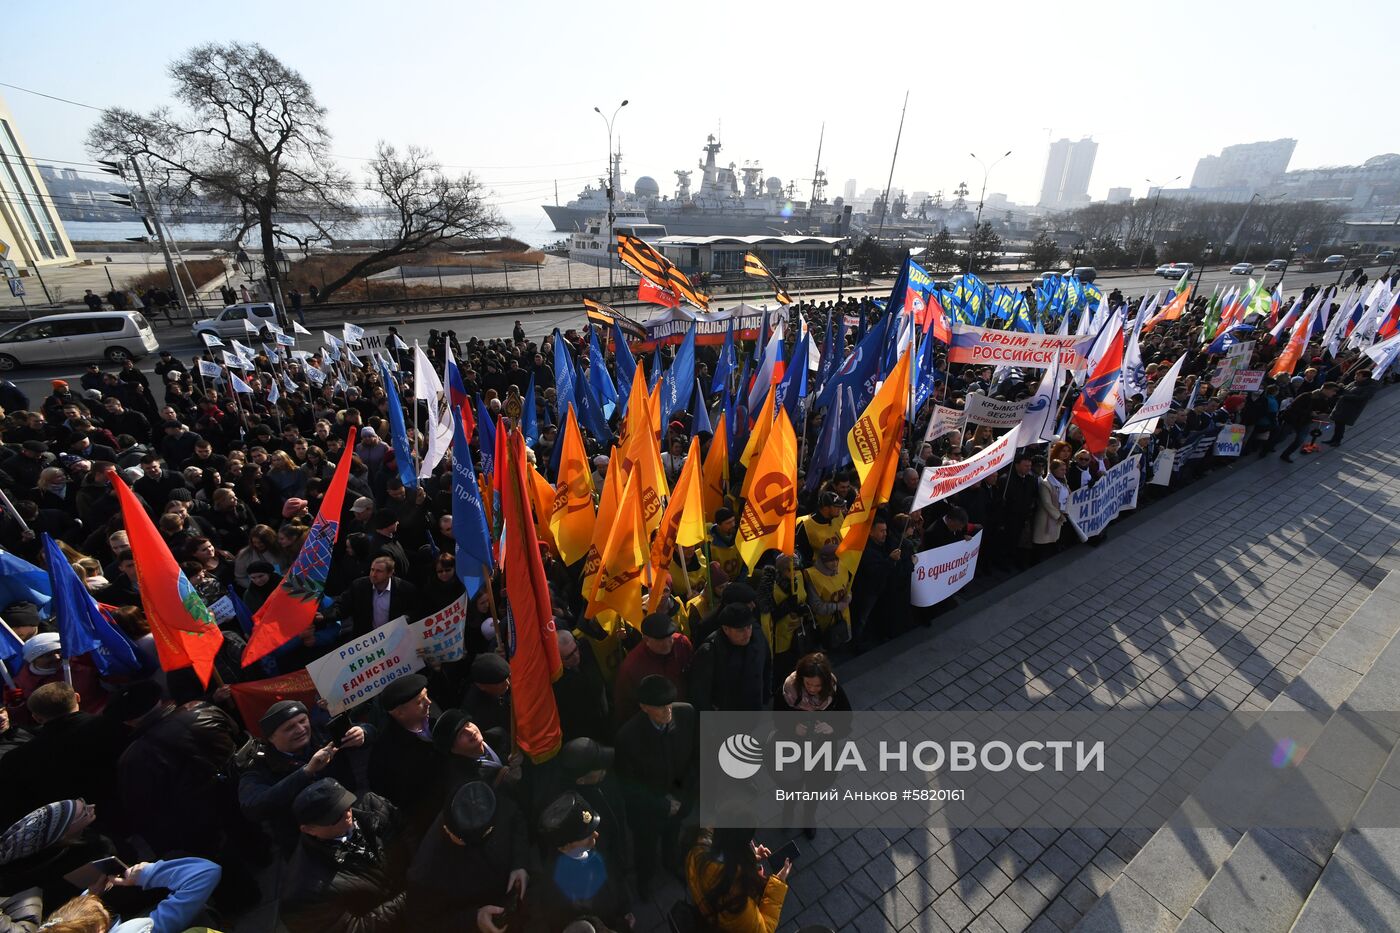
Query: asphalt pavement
pixel 180 340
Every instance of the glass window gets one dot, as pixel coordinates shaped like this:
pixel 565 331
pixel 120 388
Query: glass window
pixel 31 332
pixel 109 325
pixel 75 327
pixel 25 195
pixel 235 314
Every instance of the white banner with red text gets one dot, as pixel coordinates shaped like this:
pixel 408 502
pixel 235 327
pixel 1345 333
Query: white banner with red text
pixel 985 347
pixel 942 571
pixel 940 482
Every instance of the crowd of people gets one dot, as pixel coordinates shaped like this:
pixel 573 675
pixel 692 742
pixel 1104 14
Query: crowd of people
pixel 415 811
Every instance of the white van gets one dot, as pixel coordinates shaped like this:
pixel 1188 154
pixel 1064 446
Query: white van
pixel 233 320
pixel 115 336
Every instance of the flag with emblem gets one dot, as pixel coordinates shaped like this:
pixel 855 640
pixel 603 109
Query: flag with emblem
pixel 683 522
pixel 1097 404
pixel 291 608
pixel 619 583
pixel 769 519
pixel 571 516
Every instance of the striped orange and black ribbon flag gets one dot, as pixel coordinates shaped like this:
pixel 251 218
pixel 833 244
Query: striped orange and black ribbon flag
pixel 642 259
pixel 604 316
pixel 754 266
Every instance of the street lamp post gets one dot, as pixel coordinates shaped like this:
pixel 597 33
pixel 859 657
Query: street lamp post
pixel 249 267
pixel 1152 218
pixel 1205 258
pixel 841 253
pixel 981 198
pixel 1292 251
pixel 612 178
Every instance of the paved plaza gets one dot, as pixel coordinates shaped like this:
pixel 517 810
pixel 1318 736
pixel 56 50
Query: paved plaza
pixel 1215 598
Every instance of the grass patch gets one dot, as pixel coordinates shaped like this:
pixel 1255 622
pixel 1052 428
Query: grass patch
pixel 200 271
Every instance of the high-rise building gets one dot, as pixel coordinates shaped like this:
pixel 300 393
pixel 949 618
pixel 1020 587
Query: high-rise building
pixel 29 224
pixel 1067 172
pixel 1119 195
pixel 1247 165
pixel 849 191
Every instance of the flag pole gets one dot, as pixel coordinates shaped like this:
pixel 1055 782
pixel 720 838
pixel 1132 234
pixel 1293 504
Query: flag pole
pixel 10 508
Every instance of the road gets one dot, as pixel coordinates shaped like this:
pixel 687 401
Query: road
pixel 35 381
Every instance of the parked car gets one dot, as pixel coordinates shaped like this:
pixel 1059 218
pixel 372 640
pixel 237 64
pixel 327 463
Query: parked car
pixel 1242 268
pixel 1085 274
pixel 232 321
pixel 1385 255
pixel 1276 265
pixel 1335 261
pixel 115 336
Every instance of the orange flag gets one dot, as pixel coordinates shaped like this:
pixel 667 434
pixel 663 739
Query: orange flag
pixel 758 439
pixel 769 520
pixel 716 471
pixel 636 399
pixel 571 515
pixel 534 662
pixel 183 627
pixel 1173 310
pixel 619 586
pixel 291 608
pixel 642 457
pixel 608 505
pixel 1297 343
pixel 542 498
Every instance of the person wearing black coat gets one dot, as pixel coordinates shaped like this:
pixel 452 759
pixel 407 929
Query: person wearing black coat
pixel 732 669
pixel 1350 405
pixel 657 761
pixel 877 563
pixel 355 607
pixel 1298 417
pixel 404 766
pixel 1020 491
pixel 347 874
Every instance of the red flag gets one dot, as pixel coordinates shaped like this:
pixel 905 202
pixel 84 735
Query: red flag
pixel 938 320
pixel 650 292
pixel 1098 400
pixel 534 649
pixel 183 627
pixel 254 697
pixel 291 607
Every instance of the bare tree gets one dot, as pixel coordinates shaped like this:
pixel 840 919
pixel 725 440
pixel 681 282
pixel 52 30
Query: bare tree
pixel 424 208
pixel 251 140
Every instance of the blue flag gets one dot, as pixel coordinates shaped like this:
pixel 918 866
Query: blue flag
pixel 858 369
pixel 926 373
pixel 700 424
pixel 468 516
pixel 625 365
pixel 590 414
pixel 724 366
pixel 529 420
pixel 11 649
pixel 21 581
pixel 598 378
pixel 485 437
pixel 793 388
pixel 403 456
pixel 563 376
pixel 82 627
pixel 679 380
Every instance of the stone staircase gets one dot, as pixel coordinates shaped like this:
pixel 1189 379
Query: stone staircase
pixel 1203 880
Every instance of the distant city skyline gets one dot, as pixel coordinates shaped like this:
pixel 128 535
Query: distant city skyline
pixel 508 91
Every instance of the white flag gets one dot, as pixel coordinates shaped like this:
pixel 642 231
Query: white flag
pixel 428 388
pixel 315 375
pixel 210 340
pixel 353 333
pixel 249 328
pixel 353 359
pixel 239 385
pixel 209 368
pixel 234 362
pixel 331 339
pixel 1038 423
pixel 297 328
pixel 1144 420
pixel 274 393
pixel 288 384
pixel 399 344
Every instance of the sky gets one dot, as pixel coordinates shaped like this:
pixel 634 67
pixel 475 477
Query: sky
pixel 507 90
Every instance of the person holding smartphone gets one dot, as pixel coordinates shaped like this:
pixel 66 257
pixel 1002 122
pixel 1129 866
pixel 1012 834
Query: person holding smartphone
pixel 732 888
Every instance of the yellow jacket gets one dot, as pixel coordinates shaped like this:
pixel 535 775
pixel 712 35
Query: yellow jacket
pixel 831 594
pixel 780 632
pixel 755 918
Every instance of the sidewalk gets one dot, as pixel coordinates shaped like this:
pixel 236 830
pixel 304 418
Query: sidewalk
pixel 1219 596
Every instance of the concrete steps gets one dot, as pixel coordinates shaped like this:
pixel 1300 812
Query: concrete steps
pixel 1205 880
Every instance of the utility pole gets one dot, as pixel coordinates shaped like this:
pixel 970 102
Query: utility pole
pixel 160 235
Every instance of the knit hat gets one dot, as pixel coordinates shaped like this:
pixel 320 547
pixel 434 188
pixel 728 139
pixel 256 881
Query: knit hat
pixel 261 566
pixel 37 831
pixel 279 713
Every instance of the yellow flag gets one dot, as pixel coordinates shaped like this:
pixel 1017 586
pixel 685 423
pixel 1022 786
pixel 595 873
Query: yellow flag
pixel 636 398
pixel 716 471
pixel 874 446
pixel 607 512
pixel 571 515
pixel 769 519
pixel 619 586
pixel 684 520
pixel 881 418
pixel 758 438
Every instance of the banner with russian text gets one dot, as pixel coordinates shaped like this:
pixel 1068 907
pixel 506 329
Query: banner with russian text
pixel 360 670
pixel 942 571
pixel 940 482
pixel 985 347
pixel 994 413
pixel 671 326
pixel 1247 380
pixel 1230 441
pixel 439 635
pixel 1091 508
pixel 945 421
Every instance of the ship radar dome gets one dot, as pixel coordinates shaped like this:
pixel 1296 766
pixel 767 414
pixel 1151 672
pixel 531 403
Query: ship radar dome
pixel 647 187
pixel 774 185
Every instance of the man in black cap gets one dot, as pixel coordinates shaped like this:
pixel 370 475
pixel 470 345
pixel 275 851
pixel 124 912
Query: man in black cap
pixel 821 528
pixel 663 650
pixel 384 541
pixel 657 759
pixel 581 879
pixel 347 875
pixel 487 700
pixel 375 600
pixel 470 755
pixel 585 769
pixel 404 767
pixel 25 468
pixel 724 552
pixel 738 593
pixel 477 857
pixel 732 669
pixel 290 756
